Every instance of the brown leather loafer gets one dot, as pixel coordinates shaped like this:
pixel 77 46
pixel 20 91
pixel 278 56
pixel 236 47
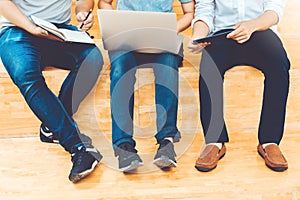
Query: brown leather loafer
pixel 209 158
pixel 273 157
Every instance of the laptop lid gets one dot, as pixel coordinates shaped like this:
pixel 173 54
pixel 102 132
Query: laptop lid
pixel 147 32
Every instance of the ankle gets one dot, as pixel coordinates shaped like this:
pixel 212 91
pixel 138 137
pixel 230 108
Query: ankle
pixel 266 144
pixel 218 144
pixel 169 138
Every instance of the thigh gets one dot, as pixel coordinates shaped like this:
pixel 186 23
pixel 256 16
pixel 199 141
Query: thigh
pixel 66 55
pixel 224 55
pixel 265 52
pixel 121 63
pixel 22 57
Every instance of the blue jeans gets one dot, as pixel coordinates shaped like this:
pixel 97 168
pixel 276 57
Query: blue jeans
pixel 24 57
pixel 265 52
pixel 122 75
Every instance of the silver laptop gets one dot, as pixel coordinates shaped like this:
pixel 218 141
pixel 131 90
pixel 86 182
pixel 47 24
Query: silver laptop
pixel 147 32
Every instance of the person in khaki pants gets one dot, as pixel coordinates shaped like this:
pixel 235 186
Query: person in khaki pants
pixel 254 42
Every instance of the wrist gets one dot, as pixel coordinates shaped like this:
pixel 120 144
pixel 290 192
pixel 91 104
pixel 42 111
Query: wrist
pixel 31 27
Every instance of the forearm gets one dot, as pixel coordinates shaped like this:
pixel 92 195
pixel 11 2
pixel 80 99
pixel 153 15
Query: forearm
pixel 200 30
pixel 266 20
pixel 188 14
pixel 13 14
pixel 105 4
pixel 84 5
pixel 184 22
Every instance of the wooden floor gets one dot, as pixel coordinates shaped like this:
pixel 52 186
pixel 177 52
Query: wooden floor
pixel 33 170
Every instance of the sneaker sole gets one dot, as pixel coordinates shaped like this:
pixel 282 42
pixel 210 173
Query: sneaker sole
pixel 132 167
pixel 164 162
pixel 77 177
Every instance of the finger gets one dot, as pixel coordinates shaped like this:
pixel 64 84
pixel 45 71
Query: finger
pixel 44 32
pixel 241 38
pixel 241 41
pixel 86 27
pixel 235 33
pixel 81 16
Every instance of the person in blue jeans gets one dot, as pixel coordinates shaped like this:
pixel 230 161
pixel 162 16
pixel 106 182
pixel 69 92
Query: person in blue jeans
pixel 253 42
pixel 25 49
pixel 122 75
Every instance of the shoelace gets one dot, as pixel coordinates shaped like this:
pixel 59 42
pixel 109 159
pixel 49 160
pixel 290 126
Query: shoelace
pixel 78 154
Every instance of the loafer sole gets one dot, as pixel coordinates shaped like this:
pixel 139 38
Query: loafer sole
pixel 277 169
pixel 207 169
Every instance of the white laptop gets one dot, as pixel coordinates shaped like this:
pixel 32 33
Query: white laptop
pixel 147 32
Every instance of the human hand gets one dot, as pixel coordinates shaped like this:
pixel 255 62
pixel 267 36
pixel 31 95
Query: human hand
pixel 196 48
pixel 39 32
pixel 85 20
pixel 242 31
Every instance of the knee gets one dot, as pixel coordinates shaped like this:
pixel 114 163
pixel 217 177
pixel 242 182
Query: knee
pixel 279 68
pixel 28 83
pixel 92 60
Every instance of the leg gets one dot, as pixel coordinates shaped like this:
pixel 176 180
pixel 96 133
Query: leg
pixel 212 100
pixel 25 71
pixel 22 59
pixel 275 65
pixel 216 60
pixel 84 62
pixel 122 76
pixel 166 95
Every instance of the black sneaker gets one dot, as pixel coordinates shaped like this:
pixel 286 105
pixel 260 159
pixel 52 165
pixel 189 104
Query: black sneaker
pixel 165 156
pixel 84 159
pixel 47 136
pixel 128 158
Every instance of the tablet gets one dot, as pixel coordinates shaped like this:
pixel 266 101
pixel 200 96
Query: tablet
pixel 219 36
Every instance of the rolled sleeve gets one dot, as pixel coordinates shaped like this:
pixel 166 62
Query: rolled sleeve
pixel 276 6
pixel 204 11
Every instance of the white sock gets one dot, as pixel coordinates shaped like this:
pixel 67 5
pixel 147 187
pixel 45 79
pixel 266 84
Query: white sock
pixel 219 145
pixel 169 138
pixel 266 144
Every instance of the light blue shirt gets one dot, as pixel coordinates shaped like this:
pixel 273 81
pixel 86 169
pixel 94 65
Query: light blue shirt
pixel 223 14
pixel 148 5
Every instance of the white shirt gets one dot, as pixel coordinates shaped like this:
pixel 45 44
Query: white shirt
pixel 55 11
pixel 223 14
